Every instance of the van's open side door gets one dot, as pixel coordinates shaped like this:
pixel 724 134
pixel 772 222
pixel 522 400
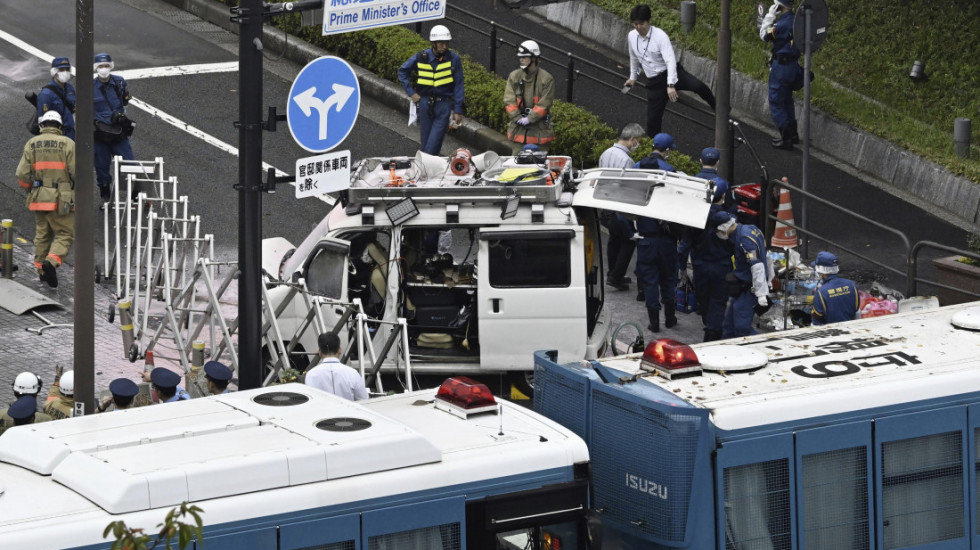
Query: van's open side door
pixel 531 294
pixel 326 270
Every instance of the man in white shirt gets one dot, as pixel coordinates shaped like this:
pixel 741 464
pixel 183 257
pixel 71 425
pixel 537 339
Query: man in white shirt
pixel 331 375
pixel 652 56
pixel 620 246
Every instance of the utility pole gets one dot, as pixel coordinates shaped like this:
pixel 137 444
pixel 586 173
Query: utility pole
pixel 84 307
pixel 723 131
pixel 250 18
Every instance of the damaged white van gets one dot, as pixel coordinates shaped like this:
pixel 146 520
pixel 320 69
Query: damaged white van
pixel 487 258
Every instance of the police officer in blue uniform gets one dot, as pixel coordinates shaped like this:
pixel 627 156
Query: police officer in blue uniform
pixel 656 269
pixel 709 171
pixel 59 96
pixel 111 98
pixel 123 391
pixel 835 299
pixel 437 89
pixel 23 411
pixel 166 387
pixel 218 376
pixel 657 160
pixel 712 261
pixel 784 73
pixel 748 284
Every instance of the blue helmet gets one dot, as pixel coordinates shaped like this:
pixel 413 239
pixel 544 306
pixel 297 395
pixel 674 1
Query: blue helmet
pixel 663 141
pixel 530 147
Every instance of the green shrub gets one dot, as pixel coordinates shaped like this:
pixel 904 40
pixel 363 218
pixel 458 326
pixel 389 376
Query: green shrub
pixel 973 245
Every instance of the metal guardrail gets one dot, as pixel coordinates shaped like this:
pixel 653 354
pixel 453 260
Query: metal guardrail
pixel 911 251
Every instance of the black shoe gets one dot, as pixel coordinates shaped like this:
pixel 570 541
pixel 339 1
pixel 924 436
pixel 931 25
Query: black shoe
pixel 641 296
pixel 49 274
pixel 654 315
pixel 105 193
pixel 711 335
pixel 785 139
pixel 670 319
pixel 627 280
pixel 618 285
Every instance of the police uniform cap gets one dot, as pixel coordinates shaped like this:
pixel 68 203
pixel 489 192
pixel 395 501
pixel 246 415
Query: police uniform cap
pixel 786 3
pixel 23 408
pixel 123 387
pixel 103 58
pixel 60 63
pixel 663 141
pixel 825 259
pixel 217 371
pixel 710 155
pixel 164 378
pixel 719 218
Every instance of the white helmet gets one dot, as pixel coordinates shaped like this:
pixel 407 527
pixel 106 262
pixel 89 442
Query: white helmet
pixel 50 116
pixel 528 48
pixel 439 33
pixel 27 383
pixel 67 384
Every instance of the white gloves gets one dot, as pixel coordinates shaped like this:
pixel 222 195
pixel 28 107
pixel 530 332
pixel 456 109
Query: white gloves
pixel 760 286
pixel 763 300
pixel 768 21
pixel 523 121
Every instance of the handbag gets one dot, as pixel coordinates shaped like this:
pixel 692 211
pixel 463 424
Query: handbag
pixel 108 133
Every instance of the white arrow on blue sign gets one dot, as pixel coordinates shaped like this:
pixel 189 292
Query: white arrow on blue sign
pixel 323 104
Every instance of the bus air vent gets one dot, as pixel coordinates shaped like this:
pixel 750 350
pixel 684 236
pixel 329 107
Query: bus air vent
pixel 280 399
pixel 343 424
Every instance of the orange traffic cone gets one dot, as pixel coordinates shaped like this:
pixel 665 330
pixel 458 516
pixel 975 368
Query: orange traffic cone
pixel 784 236
pixel 148 363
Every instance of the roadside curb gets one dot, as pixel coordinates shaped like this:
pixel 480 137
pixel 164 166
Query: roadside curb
pixel 299 51
pixel 865 153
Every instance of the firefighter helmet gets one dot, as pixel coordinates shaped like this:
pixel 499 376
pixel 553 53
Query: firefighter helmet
pixel 440 33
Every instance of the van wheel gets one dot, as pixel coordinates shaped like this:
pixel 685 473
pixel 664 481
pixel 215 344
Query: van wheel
pixel 523 381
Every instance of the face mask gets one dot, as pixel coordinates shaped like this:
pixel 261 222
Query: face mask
pixel 634 146
pixel 64 76
pixel 723 235
pixel 103 72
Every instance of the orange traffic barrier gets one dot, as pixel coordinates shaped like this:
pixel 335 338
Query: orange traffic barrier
pixel 784 236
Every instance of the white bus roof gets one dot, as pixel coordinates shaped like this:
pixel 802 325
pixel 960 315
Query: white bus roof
pixel 832 369
pixel 285 438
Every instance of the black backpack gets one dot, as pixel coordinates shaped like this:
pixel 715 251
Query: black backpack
pixel 32 125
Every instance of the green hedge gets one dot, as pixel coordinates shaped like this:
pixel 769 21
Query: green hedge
pixel 862 69
pixel 578 133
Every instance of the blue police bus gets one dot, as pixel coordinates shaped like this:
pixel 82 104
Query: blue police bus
pixel 857 435
pixel 290 467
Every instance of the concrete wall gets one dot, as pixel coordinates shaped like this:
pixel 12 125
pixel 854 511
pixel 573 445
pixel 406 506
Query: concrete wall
pixel 868 154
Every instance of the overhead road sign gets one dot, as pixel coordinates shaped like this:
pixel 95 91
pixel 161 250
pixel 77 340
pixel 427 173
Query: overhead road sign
pixel 340 16
pixel 324 101
pixel 322 174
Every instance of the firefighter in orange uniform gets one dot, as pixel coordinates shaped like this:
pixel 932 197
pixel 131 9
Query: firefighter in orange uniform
pixel 528 96
pixel 47 172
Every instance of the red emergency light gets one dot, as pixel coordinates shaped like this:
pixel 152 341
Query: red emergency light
pixel 669 358
pixel 463 396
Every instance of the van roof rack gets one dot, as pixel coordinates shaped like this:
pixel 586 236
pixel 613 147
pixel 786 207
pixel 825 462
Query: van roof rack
pixel 537 178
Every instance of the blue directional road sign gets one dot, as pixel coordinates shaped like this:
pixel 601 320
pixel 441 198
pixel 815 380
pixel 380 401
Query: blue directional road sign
pixel 323 104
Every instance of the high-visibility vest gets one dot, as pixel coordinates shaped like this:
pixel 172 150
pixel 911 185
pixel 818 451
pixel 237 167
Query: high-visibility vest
pixel 434 76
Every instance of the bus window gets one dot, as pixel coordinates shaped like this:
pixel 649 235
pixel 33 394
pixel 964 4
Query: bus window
pixel 439 537
pixel 757 506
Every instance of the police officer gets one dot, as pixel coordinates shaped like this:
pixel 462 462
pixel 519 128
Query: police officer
pixel 835 299
pixel 59 96
pixel 47 171
pixel 26 383
pixel 748 284
pixel 61 396
pixel 218 376
pixel 784 73
pixel 111 98
pixel 21 412
pixel 709 171
pixel 657 159
pixel 437 90
pixel 123 391
pixel 528 96
pixel 711 258
pixel 656 269
pixel 165 384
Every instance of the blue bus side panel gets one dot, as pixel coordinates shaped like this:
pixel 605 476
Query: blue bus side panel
pixel 920 482
pixel 561 393
pixel 756 500
pixel 973 479
pixel 255 538
pixel 834 498
pixel 651 464
pixel 433 524
pixel 344 531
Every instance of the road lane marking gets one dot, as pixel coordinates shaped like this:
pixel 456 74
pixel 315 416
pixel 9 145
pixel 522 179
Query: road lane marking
pixel 157 113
